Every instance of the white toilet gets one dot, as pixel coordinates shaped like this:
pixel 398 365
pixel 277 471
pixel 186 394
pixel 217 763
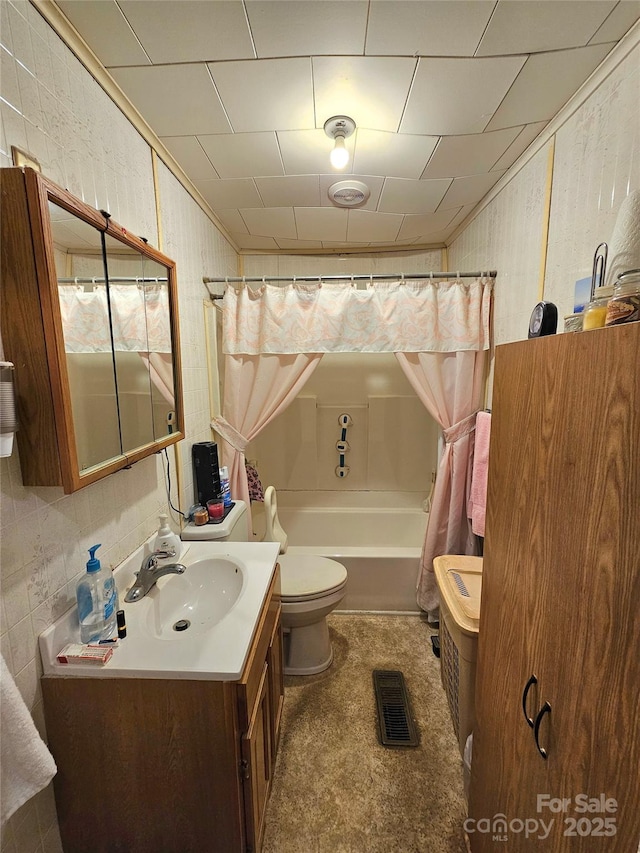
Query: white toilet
pixel 312 587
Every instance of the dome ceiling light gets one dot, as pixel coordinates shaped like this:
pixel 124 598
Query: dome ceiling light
pixel 339 128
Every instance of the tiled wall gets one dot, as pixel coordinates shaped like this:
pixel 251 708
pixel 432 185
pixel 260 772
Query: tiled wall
pixel 52 108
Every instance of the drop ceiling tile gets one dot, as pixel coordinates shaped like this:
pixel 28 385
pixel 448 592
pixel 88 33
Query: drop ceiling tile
pixel 400 196
pixel 545 84
pixel 176 100
pixel 271 222
pixel 248 241
pixel 295 191
pixel 321 223
pixel 367 226
pixel 519 145
pixel 529 26
pixel 451 96
pixel 243 155
pixel 396 155
pixel 469 155
pixel 469 190
pixel 266 94
pixel 106 30
pixel 375 185
pixel 298 28
pixel 190 31
pixel 189 154
pixel 621 19
pixel 307 152
pixel 235 193
pixel 415 226
pixel 371 90
pixel 401 28
pixel 298 244
pixel 232 221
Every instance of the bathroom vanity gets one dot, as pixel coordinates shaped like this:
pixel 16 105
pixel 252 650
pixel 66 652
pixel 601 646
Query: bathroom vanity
pixel 150 764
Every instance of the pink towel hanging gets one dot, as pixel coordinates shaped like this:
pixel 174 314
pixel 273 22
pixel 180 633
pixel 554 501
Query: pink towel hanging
pixel 480 472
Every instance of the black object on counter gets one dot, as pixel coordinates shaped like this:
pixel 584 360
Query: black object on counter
pixel 122 624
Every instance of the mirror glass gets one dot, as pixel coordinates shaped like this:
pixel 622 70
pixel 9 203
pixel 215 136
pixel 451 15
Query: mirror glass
pixel 115 308
pixel 84 309
pixel 140 316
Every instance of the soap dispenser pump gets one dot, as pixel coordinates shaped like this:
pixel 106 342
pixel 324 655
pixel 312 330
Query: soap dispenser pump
pixel 97 598
pixel 166 539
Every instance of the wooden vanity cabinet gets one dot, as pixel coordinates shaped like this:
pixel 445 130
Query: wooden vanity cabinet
pixel 157 766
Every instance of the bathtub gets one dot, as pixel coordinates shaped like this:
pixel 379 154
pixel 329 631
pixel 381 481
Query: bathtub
pixel 379 546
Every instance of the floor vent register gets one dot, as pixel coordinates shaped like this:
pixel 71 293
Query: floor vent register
pixel 396 726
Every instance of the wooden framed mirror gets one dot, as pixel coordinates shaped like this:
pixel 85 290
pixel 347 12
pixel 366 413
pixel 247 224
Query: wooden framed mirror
pixel 90 320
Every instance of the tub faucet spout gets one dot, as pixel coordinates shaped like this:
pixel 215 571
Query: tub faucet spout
pixel 150 572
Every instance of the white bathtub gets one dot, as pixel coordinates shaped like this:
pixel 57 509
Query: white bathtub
pixel 380 548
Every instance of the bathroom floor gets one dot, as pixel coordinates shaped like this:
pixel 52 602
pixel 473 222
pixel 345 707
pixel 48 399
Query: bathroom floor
pixel 336 790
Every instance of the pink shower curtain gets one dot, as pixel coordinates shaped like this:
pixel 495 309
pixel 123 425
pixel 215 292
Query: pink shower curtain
pixel 160 367
pixel 439 331
pixel 256 389
pixel 450 385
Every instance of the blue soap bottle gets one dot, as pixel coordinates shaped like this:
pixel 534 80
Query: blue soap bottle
pixel 97 601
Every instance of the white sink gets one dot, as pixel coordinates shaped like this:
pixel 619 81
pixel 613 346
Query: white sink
pixel 220 596
pixel 193 603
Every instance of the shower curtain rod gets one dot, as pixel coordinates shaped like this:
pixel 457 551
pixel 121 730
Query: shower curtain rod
pixel 351 278
pixel 374 277
pixel 98 279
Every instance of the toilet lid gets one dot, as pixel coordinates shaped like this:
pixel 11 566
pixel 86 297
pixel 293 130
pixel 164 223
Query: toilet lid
pixel 306 576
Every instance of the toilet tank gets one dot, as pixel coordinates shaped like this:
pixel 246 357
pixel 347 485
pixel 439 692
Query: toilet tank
pixel 233 527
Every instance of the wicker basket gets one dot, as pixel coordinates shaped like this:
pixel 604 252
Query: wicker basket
pixel 459 580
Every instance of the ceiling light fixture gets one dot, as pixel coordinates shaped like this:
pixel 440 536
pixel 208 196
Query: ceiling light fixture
pixel 339 128
pixel 349 193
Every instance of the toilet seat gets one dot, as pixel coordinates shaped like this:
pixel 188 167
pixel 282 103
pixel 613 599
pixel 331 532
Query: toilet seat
pixel 306 576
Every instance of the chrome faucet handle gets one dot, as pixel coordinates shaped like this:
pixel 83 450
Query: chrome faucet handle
pixel 161 555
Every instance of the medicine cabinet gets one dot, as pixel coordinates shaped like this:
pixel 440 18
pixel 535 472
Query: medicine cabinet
pixel 90 321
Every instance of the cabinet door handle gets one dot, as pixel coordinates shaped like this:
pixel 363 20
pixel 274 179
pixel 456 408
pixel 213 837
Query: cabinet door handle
pixel 546 709
pixel 533 680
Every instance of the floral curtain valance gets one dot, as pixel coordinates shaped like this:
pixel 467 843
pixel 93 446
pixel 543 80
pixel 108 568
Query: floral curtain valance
pixel 398 316
pixel 139 316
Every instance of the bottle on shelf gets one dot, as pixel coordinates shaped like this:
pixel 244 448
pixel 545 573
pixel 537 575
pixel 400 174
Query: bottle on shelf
pixel 225 487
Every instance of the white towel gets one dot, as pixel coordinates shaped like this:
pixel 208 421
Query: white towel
pixel 26 764
pixel 624 246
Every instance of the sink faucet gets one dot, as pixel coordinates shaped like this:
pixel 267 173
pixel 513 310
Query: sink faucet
pixel 150 572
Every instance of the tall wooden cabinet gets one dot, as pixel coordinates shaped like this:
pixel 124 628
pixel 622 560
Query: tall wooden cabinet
pixel 557 734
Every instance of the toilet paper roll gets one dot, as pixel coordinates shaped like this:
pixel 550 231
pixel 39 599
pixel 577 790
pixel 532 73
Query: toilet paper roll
pixel 624 246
